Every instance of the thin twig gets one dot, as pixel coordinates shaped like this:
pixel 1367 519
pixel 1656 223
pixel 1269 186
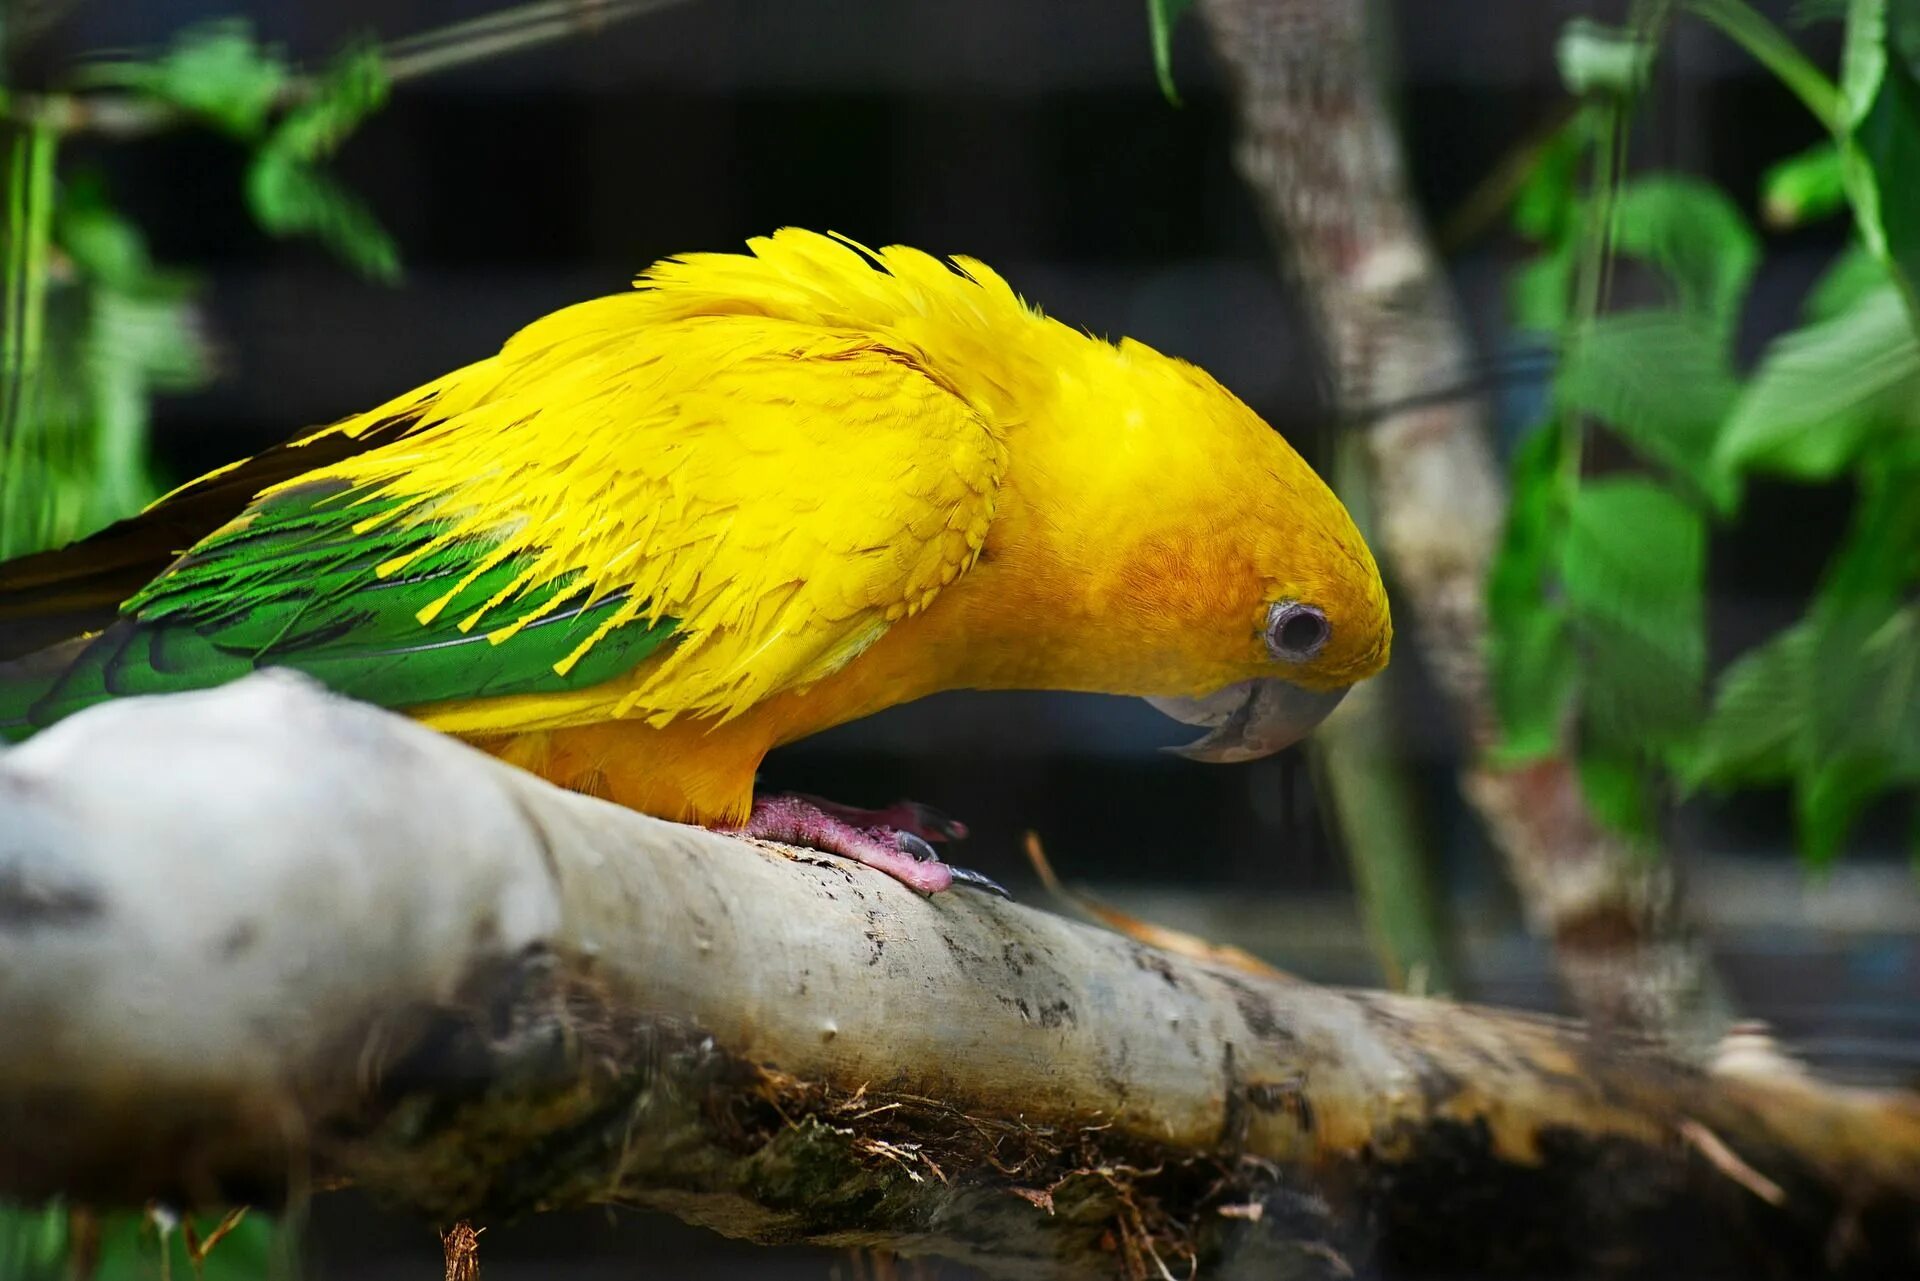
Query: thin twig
pixel 537 24
pixel 527 26
pixel 1495 193
pixel 1728 1162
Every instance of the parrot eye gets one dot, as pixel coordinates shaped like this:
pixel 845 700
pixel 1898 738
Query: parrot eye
pixel 1296 632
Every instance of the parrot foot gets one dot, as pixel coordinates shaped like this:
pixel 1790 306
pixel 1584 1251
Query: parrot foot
pixel 923 821
pixel 901 851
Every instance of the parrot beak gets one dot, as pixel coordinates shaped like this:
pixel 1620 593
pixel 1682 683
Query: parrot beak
pixel 1249 720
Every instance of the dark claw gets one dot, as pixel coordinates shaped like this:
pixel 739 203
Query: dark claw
pixel 911 844
pixel 933 822
pixel 979 881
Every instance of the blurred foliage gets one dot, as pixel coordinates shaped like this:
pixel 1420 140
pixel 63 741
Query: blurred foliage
pixel 292 194
pixel 47 1244
pixel 94 329
pixel 117 330
pixel 91 329
pixel 216 72
pixel 1597 599
pixel 1162 15
pixel 220 74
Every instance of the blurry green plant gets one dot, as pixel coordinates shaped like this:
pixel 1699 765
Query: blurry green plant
pixel 91 329
pixel 1162 17
pixel 222 76
pixel 40 1245
pixel 1597 598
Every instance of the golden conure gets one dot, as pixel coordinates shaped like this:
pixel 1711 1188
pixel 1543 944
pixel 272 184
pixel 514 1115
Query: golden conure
pixel 662 533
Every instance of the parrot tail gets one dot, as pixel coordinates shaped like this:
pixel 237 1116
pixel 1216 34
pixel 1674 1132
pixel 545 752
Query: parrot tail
pixel 24 681
pixel 53 602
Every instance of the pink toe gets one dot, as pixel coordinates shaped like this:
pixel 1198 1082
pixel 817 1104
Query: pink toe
pixel 928 878
pixel 796 821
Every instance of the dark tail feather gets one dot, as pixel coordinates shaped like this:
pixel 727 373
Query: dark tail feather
pixel 52 603
pixel 57 595
pixel 24 681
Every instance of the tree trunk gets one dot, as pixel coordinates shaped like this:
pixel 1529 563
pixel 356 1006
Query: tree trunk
pixel 260 940
pixel 1323 159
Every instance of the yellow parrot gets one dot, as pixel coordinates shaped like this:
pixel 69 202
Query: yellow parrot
pixel 662 533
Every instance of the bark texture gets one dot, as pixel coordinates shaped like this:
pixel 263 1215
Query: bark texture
pixel 1323 159
pixel 260 940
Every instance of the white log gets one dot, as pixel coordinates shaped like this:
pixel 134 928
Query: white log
pixel 260 937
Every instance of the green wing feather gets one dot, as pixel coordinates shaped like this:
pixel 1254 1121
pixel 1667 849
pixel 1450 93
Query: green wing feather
pixel 295 584
pixel 53 596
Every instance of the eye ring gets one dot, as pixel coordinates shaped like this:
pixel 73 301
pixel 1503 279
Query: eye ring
pixel 1296 632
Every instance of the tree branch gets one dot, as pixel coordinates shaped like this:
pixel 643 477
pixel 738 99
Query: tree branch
pixel 259 940
pixel 1323 159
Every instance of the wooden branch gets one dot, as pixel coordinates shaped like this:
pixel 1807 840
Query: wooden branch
pixel 260 940
pixel 1322 157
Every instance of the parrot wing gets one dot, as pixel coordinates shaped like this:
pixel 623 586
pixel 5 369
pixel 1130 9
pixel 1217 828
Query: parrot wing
pixel 678 521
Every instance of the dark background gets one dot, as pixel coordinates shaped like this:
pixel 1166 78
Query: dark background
pixel 1028 133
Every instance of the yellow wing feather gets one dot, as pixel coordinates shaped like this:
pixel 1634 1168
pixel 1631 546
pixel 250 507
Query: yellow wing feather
pixel 782 483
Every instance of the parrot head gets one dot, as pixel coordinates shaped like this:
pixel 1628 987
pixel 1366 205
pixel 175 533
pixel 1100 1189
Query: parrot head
pixel 1314 635
pixel 1151 535
pixel 1239 592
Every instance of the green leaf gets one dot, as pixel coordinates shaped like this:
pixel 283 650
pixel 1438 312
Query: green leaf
pixel 1759 715
pixel 1888 137
pixel 353 87
pixel 1599 59
pixel 1863 688
pixel 1536 673
pixel 1616 788
pixel 291 198
pixel 1903 36
pixel 1827 800
pixel 1695 236
pixel 1824 390
pixel 1804 188
pixel 1834 701
pixel 102 244
pixel 1880 558
pixel 1530 650
pixel 1661 380
pixel 1540 292
pixel 1686 229
pixel 290 194
pixel 1162 15
pixel 216 71
pixel 1863 59
pixel 1765 43
pixel 1548 202
pixel 34 1242
pixel 1846 283
pixel 1863 732
pixel 1633 569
